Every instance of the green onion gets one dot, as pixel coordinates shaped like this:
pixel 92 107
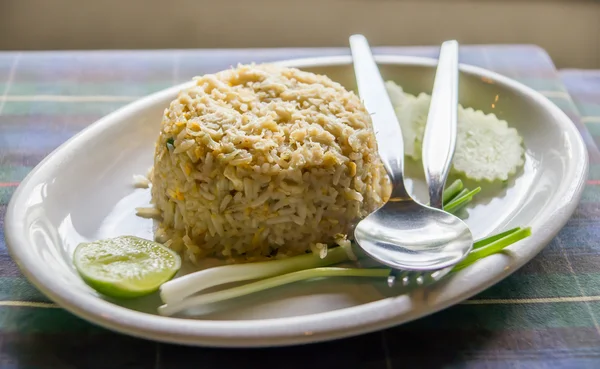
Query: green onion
pixel 493 247
pixel 182 287
pixel 170 142
pixel 173 308
pixel 487 241
pixel 461 201
pixel 484 248
pixel 481 249
pixel 451 191
pixel 461 194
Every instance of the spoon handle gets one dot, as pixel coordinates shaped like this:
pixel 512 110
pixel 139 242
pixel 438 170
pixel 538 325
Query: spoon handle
pixel 372 91
pixel 440 132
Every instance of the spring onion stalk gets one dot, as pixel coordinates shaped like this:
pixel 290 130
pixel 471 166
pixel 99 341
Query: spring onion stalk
pixel 461 200
pixel 488 240
pixel 485 248
pixel 182 287
pixel 208 298
pixel 451 191
pixel 459 195
pixel 493 247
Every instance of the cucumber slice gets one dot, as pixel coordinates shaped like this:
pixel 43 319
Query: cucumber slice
pixel 487 149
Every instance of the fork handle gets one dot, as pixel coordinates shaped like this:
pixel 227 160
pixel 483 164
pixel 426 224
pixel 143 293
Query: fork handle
pixel 388 133
pixel 440 132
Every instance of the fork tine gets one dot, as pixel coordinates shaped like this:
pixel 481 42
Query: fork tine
pixel 391 280
pixel 416 279
pixel 399 275
pixel 420 278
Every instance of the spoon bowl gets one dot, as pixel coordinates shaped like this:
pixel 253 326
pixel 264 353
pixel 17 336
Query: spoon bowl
pixel 406 235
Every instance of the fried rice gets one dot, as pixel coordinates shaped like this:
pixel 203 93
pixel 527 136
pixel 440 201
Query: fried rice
pixel 264 161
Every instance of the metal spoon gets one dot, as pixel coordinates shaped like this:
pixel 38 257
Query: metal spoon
pixel 439 142
pixel 402 234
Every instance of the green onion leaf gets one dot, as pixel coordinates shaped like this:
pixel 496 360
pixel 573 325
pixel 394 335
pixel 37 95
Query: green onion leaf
pixel 493 247
pixel 488 240
pixel 208 298
pixel 461 201
pixel 179 288
pixel 451 191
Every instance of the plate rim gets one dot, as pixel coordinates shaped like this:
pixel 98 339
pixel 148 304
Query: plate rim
pixel 286 331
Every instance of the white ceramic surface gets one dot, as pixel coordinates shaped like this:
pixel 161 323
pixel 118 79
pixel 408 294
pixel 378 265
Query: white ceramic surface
pixel 83 191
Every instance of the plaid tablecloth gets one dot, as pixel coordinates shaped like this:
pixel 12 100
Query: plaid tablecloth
pixel 544 316
pixel 584 87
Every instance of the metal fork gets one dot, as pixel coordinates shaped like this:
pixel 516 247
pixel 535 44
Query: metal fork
pixel 439 143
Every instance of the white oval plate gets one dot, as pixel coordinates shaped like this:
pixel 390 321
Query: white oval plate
pixel 83 191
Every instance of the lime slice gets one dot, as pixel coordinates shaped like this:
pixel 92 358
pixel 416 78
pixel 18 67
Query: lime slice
pixel 126 266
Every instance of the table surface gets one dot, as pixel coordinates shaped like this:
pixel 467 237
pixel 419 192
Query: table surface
pixel 546 315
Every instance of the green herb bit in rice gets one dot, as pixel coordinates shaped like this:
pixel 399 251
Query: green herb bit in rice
pixel 170 143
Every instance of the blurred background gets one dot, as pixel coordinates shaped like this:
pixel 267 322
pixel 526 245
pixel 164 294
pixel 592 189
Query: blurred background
pixel 568 29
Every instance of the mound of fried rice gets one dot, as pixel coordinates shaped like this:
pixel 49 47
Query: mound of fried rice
pixel 264 161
